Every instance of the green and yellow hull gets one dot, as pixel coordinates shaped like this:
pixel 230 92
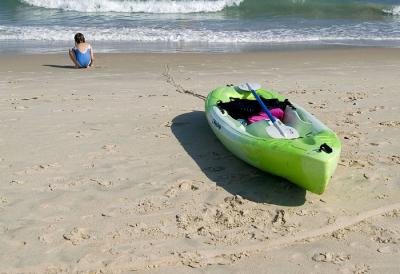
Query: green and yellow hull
pixel 301 161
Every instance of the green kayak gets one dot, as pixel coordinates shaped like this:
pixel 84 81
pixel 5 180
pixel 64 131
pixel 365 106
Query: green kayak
pixel 308 161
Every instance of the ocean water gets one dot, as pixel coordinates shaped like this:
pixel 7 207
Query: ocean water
pixel 32 26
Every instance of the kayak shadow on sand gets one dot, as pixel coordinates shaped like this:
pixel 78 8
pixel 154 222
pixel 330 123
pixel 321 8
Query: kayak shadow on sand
pixel 227 171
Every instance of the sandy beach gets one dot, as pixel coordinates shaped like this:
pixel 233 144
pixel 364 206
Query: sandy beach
pixel 114 169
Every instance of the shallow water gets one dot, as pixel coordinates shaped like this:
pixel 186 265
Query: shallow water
pixel 197 25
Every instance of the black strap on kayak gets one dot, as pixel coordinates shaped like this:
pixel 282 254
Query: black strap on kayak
pixel 240 109
pixel 243 108
pixel 287 103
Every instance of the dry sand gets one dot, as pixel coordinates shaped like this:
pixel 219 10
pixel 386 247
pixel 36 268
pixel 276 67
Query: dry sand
pixel 114 169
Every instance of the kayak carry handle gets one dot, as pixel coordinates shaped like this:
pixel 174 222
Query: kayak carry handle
pixel 325 148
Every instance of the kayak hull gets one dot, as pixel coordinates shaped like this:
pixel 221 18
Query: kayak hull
pixel 301 161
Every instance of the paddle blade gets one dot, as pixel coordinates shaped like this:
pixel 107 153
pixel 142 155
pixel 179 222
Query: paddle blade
pixel 278 130
pixel 249 86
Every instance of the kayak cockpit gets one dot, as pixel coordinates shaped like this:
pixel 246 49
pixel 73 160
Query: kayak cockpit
pixel 240 111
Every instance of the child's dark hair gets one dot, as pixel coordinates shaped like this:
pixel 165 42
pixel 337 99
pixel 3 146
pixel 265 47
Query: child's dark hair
pixel 79 38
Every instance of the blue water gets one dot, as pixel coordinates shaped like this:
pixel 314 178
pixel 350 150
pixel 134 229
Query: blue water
pixel 197 25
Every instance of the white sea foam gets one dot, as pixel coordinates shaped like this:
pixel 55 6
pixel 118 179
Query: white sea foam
pixel 143 34
pixel 148 6
pixel 393 11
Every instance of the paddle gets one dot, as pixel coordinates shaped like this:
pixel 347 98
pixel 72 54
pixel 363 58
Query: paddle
pixel 280 130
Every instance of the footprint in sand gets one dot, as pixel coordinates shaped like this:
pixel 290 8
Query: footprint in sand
pixel 79 134
pixel 235 219
pixel 20 107
pixel 382 196
pixel 279 218
pixel 167 124
pixel 151 205
pixel 374 144
pixel 390 123
pixel 3 201
pixel 328 257
pixel 353 163
pixel 393 214
pixel 339 234
pixel 161 135
pixel 110 148
pixel 349 121
pixel 102 182
pixel 196 260
pixel 306 212
pixel 27 99
pixel 183 186
pixel 354 114
pixel 376 108
pixel 146 231
pixel 361 269
pixel 17 182
pixel 190 258
pixel 395 159
pixel 388 250
pixel 354 96
pixel 352 137
pixel 50 235
pixel 386 236
pixel 318 106
pixel 39 168
pixel 64 184
pixel 77 236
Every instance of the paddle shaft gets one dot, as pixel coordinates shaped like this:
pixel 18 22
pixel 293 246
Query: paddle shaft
pixel 266 110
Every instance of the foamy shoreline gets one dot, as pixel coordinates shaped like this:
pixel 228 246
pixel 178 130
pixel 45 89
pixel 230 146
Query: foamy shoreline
pixel 17 47
pixel 115 169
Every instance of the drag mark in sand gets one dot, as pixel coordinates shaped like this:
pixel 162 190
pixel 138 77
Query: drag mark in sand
pixel 229 254
pixel 329 229
pixel 338 225
pixel 170 80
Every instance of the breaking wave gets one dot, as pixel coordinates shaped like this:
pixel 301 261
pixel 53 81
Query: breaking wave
pixel 144 34
pixel 324 8
pixel 148 6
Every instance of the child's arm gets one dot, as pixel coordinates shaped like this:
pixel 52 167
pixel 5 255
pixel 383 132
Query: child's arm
pixel 91 56
pixel 73 58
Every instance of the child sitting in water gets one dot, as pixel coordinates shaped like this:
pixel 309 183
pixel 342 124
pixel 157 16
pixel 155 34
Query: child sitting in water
pixel 82 54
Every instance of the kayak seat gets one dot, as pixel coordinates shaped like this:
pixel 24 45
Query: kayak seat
pixel 258 129
pixel 293 119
